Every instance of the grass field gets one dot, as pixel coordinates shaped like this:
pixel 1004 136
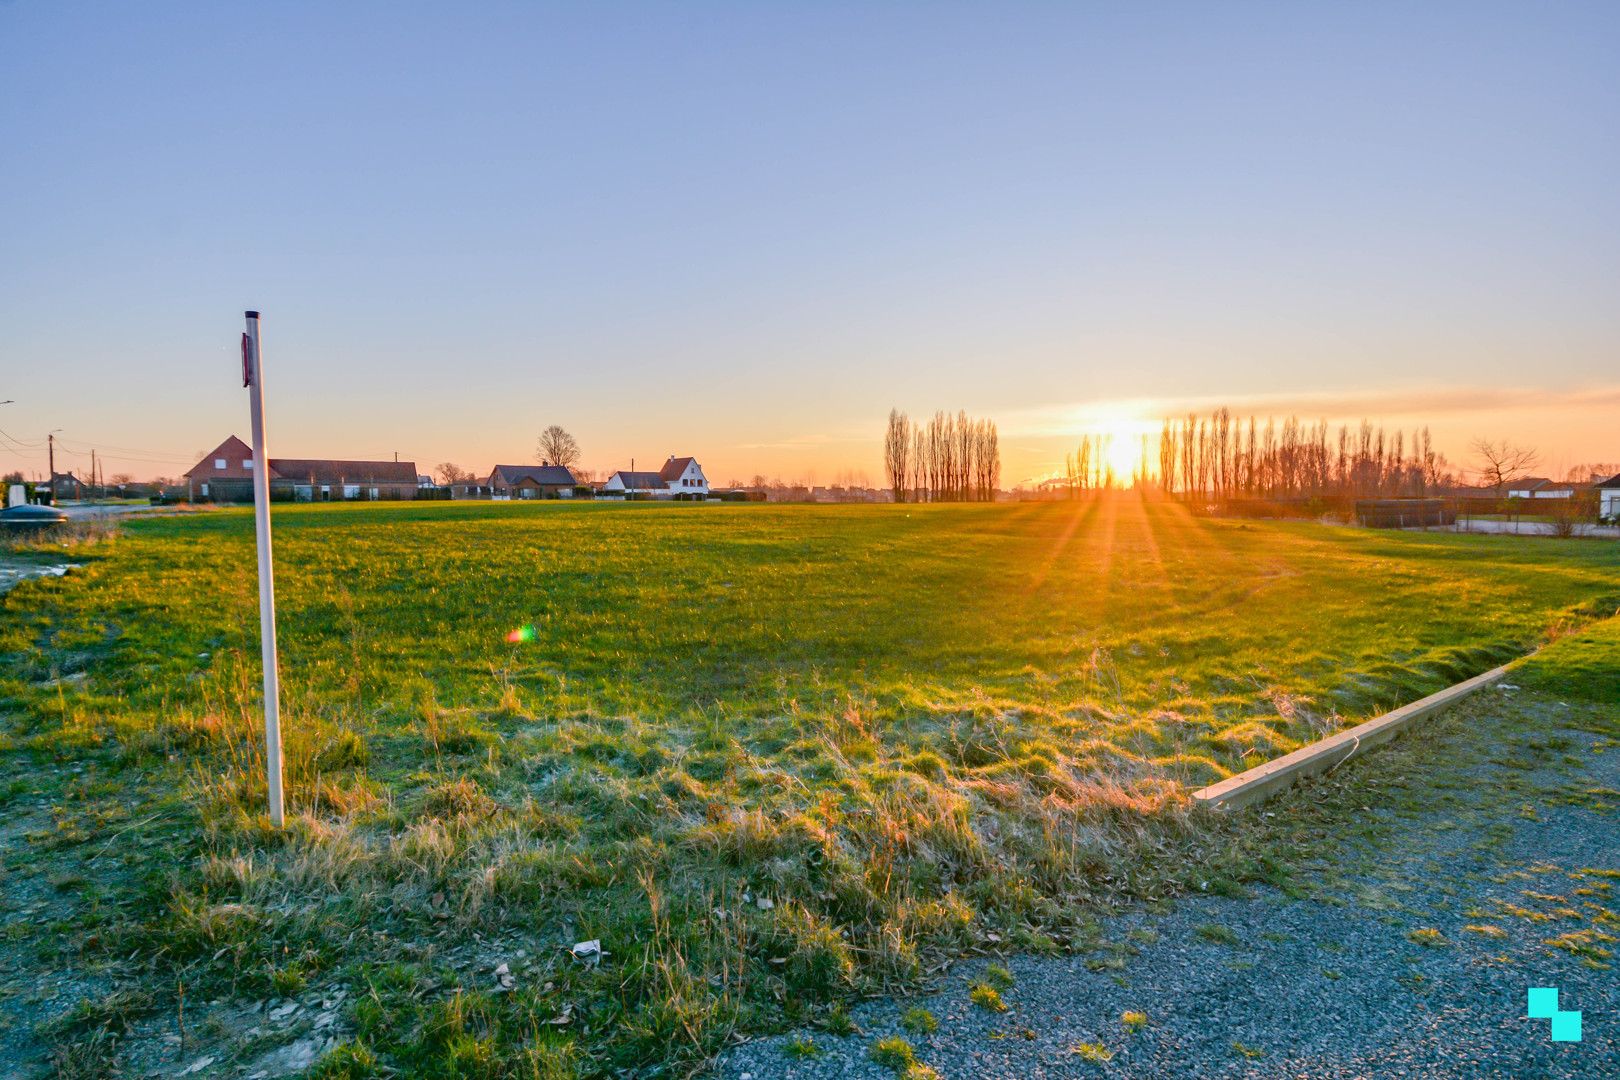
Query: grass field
pixel 771 757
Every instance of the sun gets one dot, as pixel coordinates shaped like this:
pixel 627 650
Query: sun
pixel 1123 450
pixel 1121 426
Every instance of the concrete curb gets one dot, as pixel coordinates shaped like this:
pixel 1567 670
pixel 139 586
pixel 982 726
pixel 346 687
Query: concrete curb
pixel 1263 781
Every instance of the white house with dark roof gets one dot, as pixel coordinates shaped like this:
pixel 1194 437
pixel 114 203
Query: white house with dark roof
pixel 685 477
pixel 1539 487
pixel 680 478
pixel 1608 497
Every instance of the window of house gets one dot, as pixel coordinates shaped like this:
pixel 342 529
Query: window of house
pixel 205 491
pixel 219 463
pixel 247 463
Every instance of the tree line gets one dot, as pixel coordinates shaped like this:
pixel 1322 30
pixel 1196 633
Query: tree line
pixel 947 459
pixel 1221 457
pixel 1090 467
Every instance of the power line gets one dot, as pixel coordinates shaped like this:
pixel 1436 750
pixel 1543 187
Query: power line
pixel 134 453
pixel 128 449
pixel 22 442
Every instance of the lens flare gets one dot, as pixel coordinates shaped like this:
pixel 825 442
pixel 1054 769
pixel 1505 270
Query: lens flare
pixel 520 635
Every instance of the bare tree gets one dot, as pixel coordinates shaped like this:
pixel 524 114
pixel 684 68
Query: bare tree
pixel 897 453
pixel 1502 462
pixel 949 458
pixel 557 447
pixel 449 473
pixel 1569 516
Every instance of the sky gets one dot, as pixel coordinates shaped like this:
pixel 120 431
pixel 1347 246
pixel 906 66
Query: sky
pixel 746 231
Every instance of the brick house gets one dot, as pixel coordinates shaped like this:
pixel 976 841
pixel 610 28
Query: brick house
pixel 66 486
pixel 226 475
pixel 543 481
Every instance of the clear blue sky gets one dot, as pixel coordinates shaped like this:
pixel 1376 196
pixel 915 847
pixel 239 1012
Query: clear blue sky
pixel 745 230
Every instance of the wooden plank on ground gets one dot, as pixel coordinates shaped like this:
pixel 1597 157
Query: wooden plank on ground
pixel 1263 781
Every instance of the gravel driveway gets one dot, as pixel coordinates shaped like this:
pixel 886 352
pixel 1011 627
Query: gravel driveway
pixel 1485 860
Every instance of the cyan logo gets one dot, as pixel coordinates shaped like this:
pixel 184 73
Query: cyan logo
pixel 1566 1025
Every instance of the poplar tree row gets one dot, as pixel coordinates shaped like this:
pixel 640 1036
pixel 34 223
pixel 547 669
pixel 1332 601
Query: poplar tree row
pixel 948 459
pixel 1090 466
pixel 1219 457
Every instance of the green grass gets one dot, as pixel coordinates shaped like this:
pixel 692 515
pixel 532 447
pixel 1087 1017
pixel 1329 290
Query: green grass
pixel 1216 934
pixel 919 1021
pixel 1580 665
pixel 1428 937
pixel 893 1053
pixel 986 997
pixel 773 757
pixel 1093 1052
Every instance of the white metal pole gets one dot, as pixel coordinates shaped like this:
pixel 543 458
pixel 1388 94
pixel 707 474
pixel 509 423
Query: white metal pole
pixel 253 377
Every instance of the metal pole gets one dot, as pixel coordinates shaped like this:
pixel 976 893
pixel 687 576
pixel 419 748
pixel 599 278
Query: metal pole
pixel 253 377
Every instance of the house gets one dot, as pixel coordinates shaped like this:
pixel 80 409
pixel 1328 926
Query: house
pixel 1539 487
pixel 632 483
pixel 685 477
pixel 680 478
pixel 1608 497
pixel 226 475
pixel 543 481
pixel 66 486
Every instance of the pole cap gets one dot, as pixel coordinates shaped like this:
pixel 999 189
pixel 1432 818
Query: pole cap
pixel 251 314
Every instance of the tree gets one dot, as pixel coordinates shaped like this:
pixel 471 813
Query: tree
pixel 897 453
pixel 1502 462
pixel 557 447
pixel 451 473
pixel 1569 516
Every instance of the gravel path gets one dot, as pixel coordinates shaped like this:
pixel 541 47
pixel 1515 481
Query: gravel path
pixel 1411 958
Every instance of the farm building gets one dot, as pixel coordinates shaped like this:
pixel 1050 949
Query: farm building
pixel 543 481
pixel 226 475
pixel 681 477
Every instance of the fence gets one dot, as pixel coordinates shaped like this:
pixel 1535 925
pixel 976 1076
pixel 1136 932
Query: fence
pixel 1404 513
